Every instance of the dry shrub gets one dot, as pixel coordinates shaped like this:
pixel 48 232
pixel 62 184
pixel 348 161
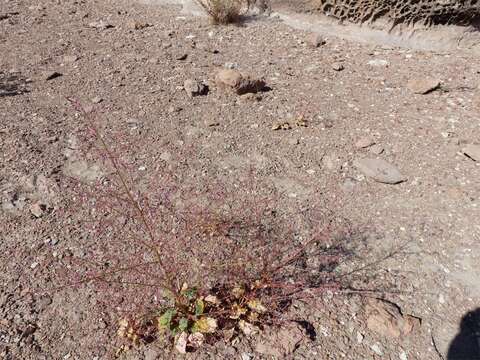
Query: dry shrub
pixel 225 11
pixel 160 247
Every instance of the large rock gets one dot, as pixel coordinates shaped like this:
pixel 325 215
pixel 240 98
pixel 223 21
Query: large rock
pixel 231 79
pixel 379 170
pixel 385 318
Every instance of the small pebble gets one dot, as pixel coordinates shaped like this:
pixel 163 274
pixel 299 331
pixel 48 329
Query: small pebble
pixel 364 142
pixel 376 149
pixel 377 349
pixel 359 337
pixel 338 66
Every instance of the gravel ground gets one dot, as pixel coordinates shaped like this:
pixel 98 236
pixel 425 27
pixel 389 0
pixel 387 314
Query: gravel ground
pixel 358 101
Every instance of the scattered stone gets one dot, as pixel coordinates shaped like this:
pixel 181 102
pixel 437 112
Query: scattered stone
pixel 50 75
pixel 385 318
pixel 379 170
pixel 100 25
pixel 338 66
pixel 403 355
pixel 37 210
pixel 332 162
pixel 43 302
pixel 247 328
pixel 476 101
pixel 181 343
pixel 301 122
pixel 194 88
pixel 295 141
pixel 181 56
pixel 212 123
pixel 376 149
pixel 195 340
pixel 97 100
pixel 166 156
pixel 246 356
pixel 364 142
pixel 314 40
pixel 70 59
pixel 280 343
pixel 174 109
pixel 250 97
pixel 378 62
pixel 441 299
pixel 239 83
pixel 137 25
pixel 81 170
pixel 230 66
pixel 349 184
pixel 359 337
pixel 377 349
pixel 472 151
pixel 423 85
pixel 228 334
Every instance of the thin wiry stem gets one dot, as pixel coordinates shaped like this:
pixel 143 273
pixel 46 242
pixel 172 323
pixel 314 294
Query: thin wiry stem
pixel 170 285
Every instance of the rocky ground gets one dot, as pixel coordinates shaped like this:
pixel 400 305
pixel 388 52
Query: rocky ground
pixel 388 137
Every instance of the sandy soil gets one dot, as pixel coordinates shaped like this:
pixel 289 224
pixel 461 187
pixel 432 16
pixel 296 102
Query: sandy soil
pixel 135 78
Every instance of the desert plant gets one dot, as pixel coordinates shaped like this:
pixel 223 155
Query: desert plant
pixel 204 256
pixel 225 11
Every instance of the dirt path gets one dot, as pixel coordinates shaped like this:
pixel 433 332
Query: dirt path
pixel 136 77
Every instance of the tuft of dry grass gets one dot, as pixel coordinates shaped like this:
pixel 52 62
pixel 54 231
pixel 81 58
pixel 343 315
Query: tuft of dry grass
pixel 225 11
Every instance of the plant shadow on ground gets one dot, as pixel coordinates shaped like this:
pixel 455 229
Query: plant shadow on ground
pixel 466 344
pixel 12 84
pixel 208 256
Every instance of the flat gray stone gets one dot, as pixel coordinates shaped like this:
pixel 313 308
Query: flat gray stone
pixel 379 170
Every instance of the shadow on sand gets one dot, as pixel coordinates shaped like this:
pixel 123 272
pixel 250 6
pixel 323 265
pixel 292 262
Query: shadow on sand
pixel 466 345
